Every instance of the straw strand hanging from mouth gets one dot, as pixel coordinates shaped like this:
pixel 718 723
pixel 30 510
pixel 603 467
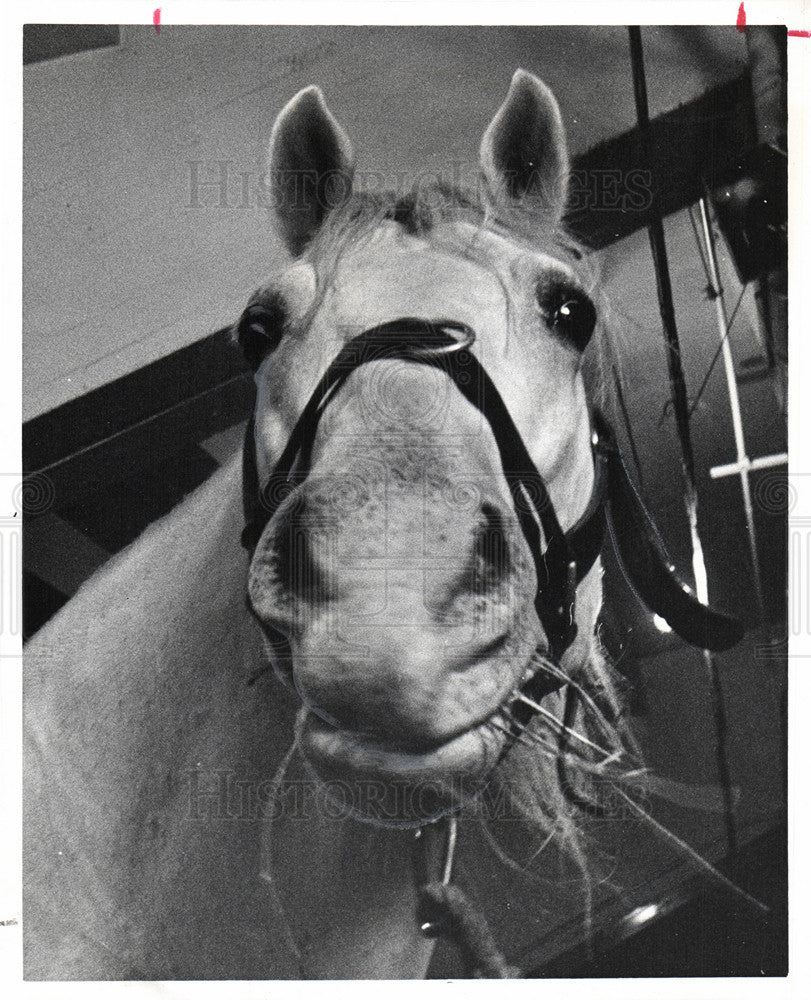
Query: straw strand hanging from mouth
pixel 605 769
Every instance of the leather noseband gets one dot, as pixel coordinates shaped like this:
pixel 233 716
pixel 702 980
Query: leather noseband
pixel 566 557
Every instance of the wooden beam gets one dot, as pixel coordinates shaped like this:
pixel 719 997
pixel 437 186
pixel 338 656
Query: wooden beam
pixel 50 41
pixel 614 188
pixel 134 400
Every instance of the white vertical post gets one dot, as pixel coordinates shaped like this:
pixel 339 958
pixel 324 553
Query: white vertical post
pixel 734 402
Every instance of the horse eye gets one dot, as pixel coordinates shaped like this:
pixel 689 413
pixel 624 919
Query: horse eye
pixel 260 329
pixel 575 320
pixel 569 313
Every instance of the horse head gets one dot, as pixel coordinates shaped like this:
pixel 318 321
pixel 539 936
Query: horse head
pixel 422 453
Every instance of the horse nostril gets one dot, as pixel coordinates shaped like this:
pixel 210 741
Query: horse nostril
pixel 301 554
pixel 491 554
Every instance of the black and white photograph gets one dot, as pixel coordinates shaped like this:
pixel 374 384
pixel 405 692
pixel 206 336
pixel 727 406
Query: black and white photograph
pixel 412 578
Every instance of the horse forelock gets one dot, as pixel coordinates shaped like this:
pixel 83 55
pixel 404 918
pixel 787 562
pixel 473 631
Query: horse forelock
pixel 432 204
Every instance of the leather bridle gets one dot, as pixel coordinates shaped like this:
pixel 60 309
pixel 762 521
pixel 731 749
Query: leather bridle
pixel 562 558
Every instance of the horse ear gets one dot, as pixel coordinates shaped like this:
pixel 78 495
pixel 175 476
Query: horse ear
pixel 311 166
pixel 523 153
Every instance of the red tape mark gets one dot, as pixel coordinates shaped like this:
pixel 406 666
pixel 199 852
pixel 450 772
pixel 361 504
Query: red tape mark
pixel 156 19
pixel 740 24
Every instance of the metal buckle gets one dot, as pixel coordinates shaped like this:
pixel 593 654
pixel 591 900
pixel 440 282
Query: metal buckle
pixel 422 847
pixel 457 344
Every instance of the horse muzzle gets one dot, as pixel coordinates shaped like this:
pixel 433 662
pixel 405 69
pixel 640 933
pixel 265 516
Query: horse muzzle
pixel 378 784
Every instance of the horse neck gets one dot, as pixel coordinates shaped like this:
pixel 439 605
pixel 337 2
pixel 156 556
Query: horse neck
pixel 138 707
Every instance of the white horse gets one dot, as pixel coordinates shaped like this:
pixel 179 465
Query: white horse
pixel 187 816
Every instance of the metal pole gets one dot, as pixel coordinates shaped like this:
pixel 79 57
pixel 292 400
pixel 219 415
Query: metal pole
pixel 656 235
pixel 678 388
pixel 743 462
pixel 678 392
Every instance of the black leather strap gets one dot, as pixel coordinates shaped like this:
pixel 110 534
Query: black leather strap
pixel 652 575
pixel 561 559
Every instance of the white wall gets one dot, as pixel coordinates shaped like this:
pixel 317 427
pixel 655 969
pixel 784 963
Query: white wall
pixel 122 266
